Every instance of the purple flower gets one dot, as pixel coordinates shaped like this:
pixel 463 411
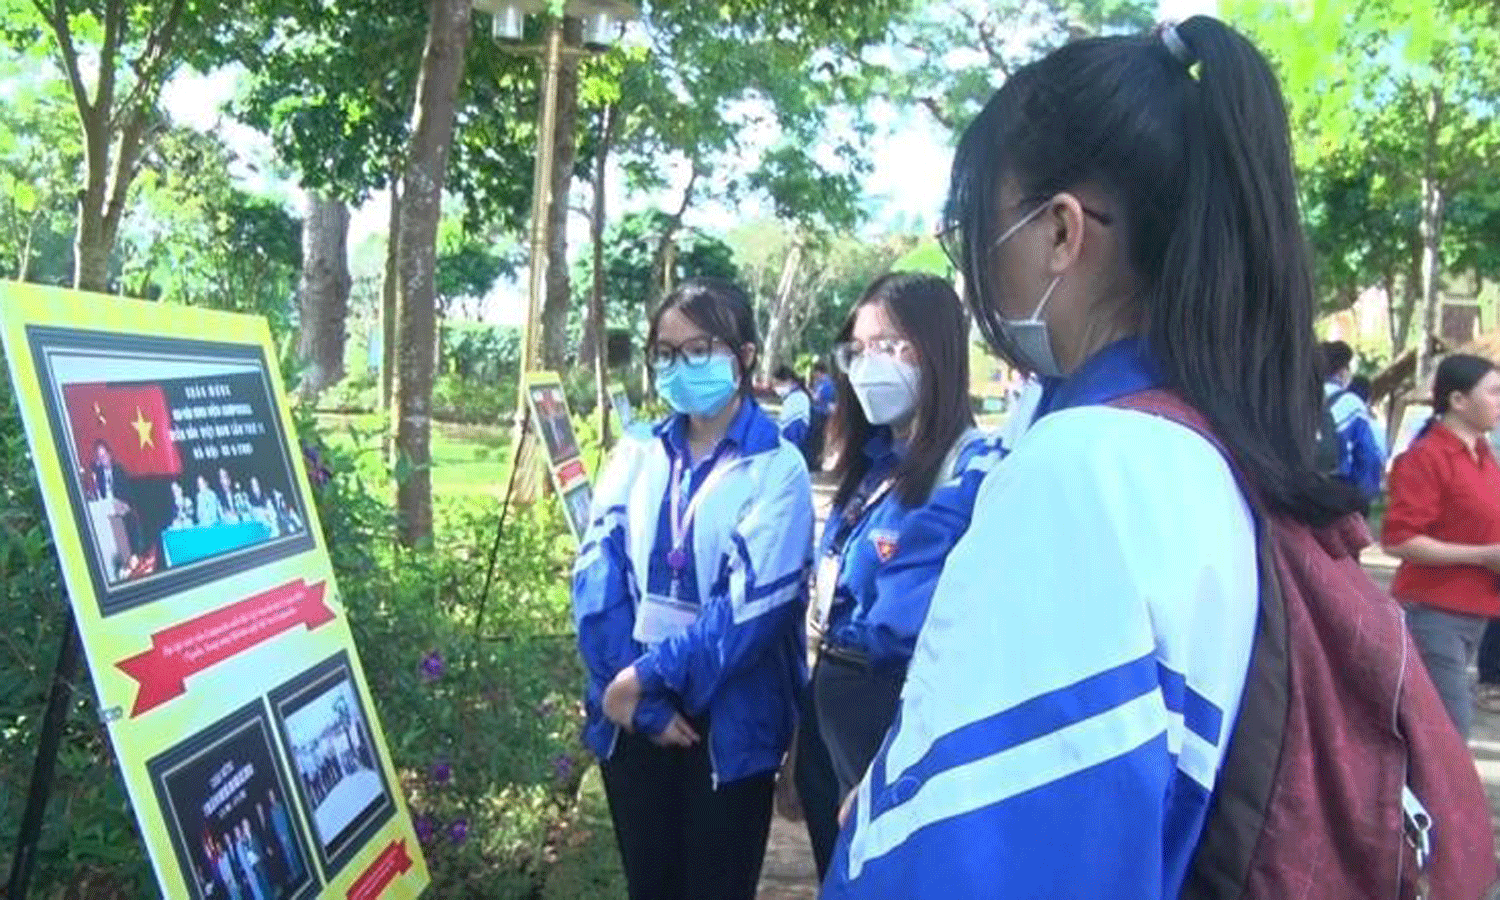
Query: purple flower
pixel 458 831
pixel 441 772
pixel 317 471
pixel 433 666
pixel 426 828
pixel 562 766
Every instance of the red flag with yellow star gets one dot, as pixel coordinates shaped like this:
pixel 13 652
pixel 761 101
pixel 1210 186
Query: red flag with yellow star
pixel 134 422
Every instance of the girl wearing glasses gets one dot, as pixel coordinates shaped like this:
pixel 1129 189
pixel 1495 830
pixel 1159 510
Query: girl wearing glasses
pixel 689 595
pixel 1126 219
pixel 909 461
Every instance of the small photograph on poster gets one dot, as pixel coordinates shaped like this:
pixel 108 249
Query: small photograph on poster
pixel 178 471
pixel 227 808
pixel 327 738
pixel 577 503
pixel 550 407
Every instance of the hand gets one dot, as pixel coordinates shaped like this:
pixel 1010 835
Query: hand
pixel 678 733
pixel 847 807
pixel 122 508
pixel 622 697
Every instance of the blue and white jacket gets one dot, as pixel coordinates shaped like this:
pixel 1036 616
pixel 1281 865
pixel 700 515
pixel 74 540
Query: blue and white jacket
pixel 741 663
pixel 890 561
pixel 1075 684
pixel 796 416
pixel 1361 445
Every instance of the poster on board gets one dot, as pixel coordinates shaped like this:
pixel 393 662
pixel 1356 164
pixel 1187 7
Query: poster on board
pixel 205 600
pixel 552 420
pixel 619 401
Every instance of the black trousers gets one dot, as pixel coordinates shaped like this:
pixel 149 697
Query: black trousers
pixel 1489 654
pixel 817 787
pixel 679 838
pixel 855 708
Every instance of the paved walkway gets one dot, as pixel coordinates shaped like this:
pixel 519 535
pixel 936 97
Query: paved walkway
pixel 789 874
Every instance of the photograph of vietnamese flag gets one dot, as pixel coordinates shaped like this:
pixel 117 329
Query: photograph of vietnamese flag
pixel 180 470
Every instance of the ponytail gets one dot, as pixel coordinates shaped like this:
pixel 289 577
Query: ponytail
pixel 1186 130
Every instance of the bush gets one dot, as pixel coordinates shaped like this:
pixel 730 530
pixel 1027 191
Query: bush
pixel 472 401
pixel 473 674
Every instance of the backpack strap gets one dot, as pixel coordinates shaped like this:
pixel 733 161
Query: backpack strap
pixel 1247 775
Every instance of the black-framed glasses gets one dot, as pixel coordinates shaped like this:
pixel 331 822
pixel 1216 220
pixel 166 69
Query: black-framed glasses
pixel 846 353
pixel 951 237
pixel 695 352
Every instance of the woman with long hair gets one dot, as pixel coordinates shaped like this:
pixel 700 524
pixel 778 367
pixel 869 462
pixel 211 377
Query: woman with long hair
pixel 689 594
pixel 1124 214
pixel 1443 523
pixel 908 464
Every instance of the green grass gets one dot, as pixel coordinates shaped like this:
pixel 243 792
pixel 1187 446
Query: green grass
pixel 466 459
pixel 588 862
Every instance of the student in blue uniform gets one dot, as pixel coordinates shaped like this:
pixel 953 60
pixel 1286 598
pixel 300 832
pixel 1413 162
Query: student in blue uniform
pixel 1124 212
pixel 796 407
pixel 909 462
pixel 1361 445
pixel 689 595
pixel 824 400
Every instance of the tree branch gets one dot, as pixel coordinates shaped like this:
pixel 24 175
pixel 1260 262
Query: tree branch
pixel 149 66
pixel 57 19
pixel 114 36
pixel 933 107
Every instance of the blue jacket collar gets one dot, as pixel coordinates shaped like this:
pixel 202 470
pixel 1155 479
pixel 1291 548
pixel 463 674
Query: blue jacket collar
pixel 751 431
pixel 1118 370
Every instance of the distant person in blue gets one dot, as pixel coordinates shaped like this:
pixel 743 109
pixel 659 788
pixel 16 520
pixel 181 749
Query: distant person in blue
pixel 909 462
pixel 1124 213
pixel 689 594
pixel 1361 445
pixel 796 407
pixel 824 402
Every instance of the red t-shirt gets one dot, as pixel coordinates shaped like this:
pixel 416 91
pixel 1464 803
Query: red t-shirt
pixel 1439 489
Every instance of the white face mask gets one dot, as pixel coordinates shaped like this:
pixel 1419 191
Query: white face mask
pixel 885 386
pixel 1029 338
pixel 782 390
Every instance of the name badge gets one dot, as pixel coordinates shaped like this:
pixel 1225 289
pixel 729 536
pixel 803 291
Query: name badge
pixel 823 588
pixel 660 617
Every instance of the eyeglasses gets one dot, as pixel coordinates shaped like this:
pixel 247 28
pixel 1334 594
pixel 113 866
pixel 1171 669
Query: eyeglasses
pixel 846 353
pixel 951 236
pixel 694 353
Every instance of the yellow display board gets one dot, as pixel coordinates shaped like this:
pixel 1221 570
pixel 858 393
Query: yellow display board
pixel 551 419
pixel 183 516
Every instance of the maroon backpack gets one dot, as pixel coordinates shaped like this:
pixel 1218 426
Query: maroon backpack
pixel 1344 778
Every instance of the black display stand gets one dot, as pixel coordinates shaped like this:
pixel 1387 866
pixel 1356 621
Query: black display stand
pixel 48 744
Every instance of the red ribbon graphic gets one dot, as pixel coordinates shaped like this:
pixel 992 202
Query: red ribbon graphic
pixel 392 863
pixel 190 647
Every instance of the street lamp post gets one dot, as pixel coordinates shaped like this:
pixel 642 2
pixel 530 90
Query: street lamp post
pixel 601 20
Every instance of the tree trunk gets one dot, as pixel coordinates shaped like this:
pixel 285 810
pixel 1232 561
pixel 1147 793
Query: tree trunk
pixel 324 295
pixel 421 198
pixel 555 353
pixel 781 312
pixel 595 330
pixel 1431 230
pixel 1433 202
pixel 388 318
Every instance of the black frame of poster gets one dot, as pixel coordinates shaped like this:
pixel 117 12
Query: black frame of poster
pixel 118 597
pixel 305 687
pixel 162 766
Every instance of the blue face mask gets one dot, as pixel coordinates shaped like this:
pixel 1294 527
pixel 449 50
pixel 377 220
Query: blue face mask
pixel 698 390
